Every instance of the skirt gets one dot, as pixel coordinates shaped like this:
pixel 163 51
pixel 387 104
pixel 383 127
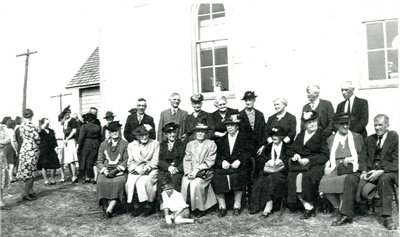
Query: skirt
pixel 11 155
pixel 332 183
pixel 111 188
pixel 70 153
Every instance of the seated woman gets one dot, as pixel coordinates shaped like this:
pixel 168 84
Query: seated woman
pixel 142 177
pixel 268 188
pixel 340 182
pixel 111 162
pixel 222 113
pixel 307 157
pixel 199 159
pixel 232 166
pixel 170 159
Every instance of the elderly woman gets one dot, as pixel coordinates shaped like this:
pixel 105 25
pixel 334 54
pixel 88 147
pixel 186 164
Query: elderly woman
pixel 199 159
pixel 4 176
pixel 142 166
pixel 339 184
pixel 29 154
pixel 307 157
pixel 283 119
pixel 222 113
pixel 268 186
pixel 232 166
pixel 112 160
pixel 170 159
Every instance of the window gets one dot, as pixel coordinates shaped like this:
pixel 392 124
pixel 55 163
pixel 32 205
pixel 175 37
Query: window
pixel 382 50
pixel 212 66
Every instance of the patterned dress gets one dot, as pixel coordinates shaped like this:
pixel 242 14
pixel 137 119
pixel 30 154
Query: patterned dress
pixel 29 153
pixel 4 177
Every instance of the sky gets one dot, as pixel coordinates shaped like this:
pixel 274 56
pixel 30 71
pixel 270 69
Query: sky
pixel 64 34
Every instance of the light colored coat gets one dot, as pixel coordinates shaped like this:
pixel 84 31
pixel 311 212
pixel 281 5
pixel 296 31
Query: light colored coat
pixel 147 157
pixel 202 195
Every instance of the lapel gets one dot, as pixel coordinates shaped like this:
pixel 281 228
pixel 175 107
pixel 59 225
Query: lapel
pixel 355 104
pixel 372 147
pixel 201 155
pixel 386 144
pixel 313 137
pixel 245 118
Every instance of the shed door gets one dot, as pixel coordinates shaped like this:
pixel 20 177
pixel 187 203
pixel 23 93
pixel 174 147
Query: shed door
pixel 89 97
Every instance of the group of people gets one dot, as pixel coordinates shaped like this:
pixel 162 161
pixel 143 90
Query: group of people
pixel 202 159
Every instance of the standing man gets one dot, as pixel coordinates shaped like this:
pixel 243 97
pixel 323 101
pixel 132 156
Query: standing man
pixel 175 115
pixel 324 108
pixel 105 133
pixel 94 111
pixel 379 162
pixel 138 118
pixel 357 107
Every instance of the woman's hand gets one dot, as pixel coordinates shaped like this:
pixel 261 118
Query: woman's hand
pixel 348 160
pixel 260 150
pixel 296 157
pixel 173 170
pixel 236 164
pixel 304 161
pixel 192 174
pixel 278 161
pixel 271 163
pixel 219 134
pixel 225 165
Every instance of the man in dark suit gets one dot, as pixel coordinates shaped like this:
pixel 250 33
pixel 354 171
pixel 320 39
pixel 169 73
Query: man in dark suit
pixel 138 118
pixel 105 134
pixel 324 108
pixel 379 161
pixel 357 107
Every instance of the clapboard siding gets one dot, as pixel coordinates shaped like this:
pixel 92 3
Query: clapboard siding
pixel 89 97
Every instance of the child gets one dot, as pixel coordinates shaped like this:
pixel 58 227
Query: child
pixel 173 203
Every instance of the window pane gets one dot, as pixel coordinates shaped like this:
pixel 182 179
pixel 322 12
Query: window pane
pixel 204 9
pixel 207 80
pixel 222 78
pixel 217 15
pixel 375 35
pixel 376 65
pixel 221 56
pixel 206 56
pixel 202 19
pixel 393 64
pixel 391 33
pixel 218 7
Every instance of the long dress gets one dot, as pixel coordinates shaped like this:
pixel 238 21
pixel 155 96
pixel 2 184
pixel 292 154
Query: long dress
pixel 89 142
pixel 48 158
pixel 199 156
pixel 142 156
pixel 29 153
pixel 4 177
pixel 111 157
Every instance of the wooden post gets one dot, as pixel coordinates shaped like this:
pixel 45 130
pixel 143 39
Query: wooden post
pixel 26 76
pixel 60 96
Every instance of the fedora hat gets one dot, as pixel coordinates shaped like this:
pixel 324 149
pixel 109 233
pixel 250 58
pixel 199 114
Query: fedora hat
pixel 310 115
pixel 233 119
pixel 114 126
pixel 109 114
pixel 341 117
pixel 365 191
pixel 249 95
pixel 170 127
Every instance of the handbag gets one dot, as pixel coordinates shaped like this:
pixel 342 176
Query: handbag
pixel 296 166
pixel 344 169
pixel 202 173
pixel 273 168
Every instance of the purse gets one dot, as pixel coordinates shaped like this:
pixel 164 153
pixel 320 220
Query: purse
pixel 343 169
pixel 296 166
pixel 202 174
pixel 274 168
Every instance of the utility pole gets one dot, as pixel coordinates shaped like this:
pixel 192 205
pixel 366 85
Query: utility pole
pixel 60 96
pixel 26 76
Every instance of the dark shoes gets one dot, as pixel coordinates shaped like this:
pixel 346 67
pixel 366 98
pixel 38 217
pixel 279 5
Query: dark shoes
pixel 264 215
pixel 200 214
pixel 136 212
pixel 236 211
pixel 343 219
pixel 147 212
pixel 388 223
pixel 222 212
pixel 308 214
pixel 27 198
pixel 74 181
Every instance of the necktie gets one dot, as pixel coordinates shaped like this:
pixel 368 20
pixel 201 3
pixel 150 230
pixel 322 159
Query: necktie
pixel 139 119
pixel 173 112
pixel 378 146
pixel 312 105
pixel 348 106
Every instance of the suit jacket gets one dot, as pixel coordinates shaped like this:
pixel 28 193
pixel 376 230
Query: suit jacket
pixel 167 117
pixel 288 122
pixel 389 154
pixel 191 122
pixel 205 159
pixel 325 116
pixel 257 136
pixel 219 125
pixel 359 115
pixel 132 123
pixel 175 156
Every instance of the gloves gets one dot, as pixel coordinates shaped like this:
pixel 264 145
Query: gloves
pixel 235 164
pixel 112 173
pixel 225 165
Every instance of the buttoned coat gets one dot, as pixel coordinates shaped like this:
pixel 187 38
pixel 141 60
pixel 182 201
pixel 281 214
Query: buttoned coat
pixel 132 123
pixel 257 136
pixel 191 122
pixel 219 125
pixel 166 117
pixel 288 122
pixel 359 115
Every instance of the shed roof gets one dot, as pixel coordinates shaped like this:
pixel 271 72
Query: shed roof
pixel 89 73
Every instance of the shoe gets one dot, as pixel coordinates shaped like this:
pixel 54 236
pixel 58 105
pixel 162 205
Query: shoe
pixel 94 182
pixel 53 182
pixel 201 214
pixel 46 183
pixel 136 212
pixel 388 223
pixel 32 195
pixel 5 208
pixel 236 211
pixel 27 198
pixel 13 180
pixel 264 215
pixel 222 212
pixel 308 214
pixel 335 214
pixel 74 181
pixel 343 219
pixel 252 212
pixel 62 180
pixel 147 212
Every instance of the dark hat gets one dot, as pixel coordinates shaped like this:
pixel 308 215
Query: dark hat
pixel 114 126
pixel 5 119
pixel 196 98
pixel 233 119
pixel 89 117
pixel 170 127
pixel 310 115
pixel 11 123
pixel 28 113
pixel 365 191
pixel 133 111
pixel 141 130
pixel 201 127
pixel 66 110
pixel 278 131
pixel 341 117
pixel 248 95
pixel 109 114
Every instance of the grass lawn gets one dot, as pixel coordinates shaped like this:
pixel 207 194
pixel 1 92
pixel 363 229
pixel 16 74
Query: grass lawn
pixel 71 210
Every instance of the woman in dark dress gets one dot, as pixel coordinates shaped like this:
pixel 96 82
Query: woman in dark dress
pixel 88 144
pixel 48 158
pixel 112 159
pixel 220 114
pixel 268 187
pixel 170 159
pixel 307 157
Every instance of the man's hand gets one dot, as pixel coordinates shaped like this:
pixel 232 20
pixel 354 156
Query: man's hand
pixel 304 161
pixel 296 157
pixel 286 140
pixel 173 170
pixel 373 175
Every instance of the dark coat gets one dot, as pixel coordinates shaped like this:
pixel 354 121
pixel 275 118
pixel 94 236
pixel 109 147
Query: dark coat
pixel 288 122
pixel 316 150
pixel 325 116
pixel 48 158
pixel 219 125
pixel 359 115
pixel 191 122
pixel 257 136
pixel 239 177
pixel 389 154
pixel 132 123
pixel 89 142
